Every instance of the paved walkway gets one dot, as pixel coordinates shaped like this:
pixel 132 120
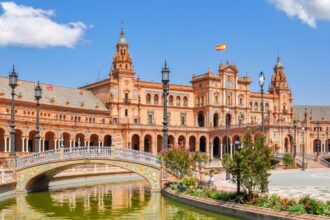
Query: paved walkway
pixel 290 183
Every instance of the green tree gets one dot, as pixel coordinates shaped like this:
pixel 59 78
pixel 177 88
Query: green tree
pixel 255 162
pixel 180 161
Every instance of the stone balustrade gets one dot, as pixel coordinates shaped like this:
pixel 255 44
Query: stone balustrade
pixel 93 152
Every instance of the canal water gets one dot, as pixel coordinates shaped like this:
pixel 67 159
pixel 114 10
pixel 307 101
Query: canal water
pixel 125 200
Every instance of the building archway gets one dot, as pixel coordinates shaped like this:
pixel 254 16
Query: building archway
pixel 317 145
pixel 18 140
pixel 171 141
pixel 136 142
pixel 32 142
pixel 201 119
pixel 94 140
pixel 288 144
pixel 216 120
pixel 80 140
pixel 327 145
pixel 159 143
pixel 192 143
pixel 49 140
pixel 147 143
pixel 216 147
pixel 107 140
pixel 202 144
pixel 226 142
pixel 66 139
pixel 2 140
pixel 228 119
pixel 182 141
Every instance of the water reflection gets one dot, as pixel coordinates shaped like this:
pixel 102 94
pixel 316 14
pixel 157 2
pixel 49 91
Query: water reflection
pixel 131 200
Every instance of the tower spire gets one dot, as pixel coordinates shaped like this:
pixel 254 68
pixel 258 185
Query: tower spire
pixel 122 33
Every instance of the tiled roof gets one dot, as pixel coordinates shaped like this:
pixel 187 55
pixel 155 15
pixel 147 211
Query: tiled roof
pixel 317 112
pixel 52 95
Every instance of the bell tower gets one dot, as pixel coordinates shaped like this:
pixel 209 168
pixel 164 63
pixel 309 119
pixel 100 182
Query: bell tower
pixel 278 82
pixel 122 62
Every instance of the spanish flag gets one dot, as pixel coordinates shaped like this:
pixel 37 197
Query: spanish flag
pixel 221 47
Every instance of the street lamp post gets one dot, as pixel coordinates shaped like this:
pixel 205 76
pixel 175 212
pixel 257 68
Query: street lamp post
pixel 238 147
pixel 261 83
pixel 318 140
pixel 37 96
pixel 165 80
pixel 294 142
pixel 227 138
pixel 13 84
pixel 327 142
pixel 303 146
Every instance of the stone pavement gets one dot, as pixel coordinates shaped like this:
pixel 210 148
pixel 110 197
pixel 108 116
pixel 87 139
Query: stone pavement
pixel 290 183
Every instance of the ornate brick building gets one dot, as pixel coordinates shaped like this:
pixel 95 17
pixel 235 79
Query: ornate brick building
pixel 128 111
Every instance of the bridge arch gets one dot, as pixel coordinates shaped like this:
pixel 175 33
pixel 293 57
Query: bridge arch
pixel 36 169
pixel 37 178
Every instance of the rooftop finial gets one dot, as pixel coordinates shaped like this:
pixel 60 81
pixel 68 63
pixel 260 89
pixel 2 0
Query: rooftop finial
pixel 122 30
pixel 278 56
pixel 13 68
pixel 165 64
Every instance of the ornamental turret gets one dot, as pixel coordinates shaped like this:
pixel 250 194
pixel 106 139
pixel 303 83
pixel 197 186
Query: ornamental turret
pixel 122 62
pixel 279 78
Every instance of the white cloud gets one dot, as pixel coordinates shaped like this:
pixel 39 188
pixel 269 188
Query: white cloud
pixel 27 26
pixel 308 11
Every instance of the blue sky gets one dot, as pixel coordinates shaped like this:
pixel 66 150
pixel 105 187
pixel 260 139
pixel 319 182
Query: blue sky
pixel 184 33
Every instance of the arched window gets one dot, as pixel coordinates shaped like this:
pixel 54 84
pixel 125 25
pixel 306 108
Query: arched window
pixel 156 99
pixel 148 99
pixel 178 101
pixel 240 101
pixel 251 105
pixel 185 101
pixel 229 84
pixel 267 107
pixel 170 100
pixel 256 106
pixel 201 119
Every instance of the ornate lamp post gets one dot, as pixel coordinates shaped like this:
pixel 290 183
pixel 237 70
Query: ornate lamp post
pixel 261 83
pixel 37 96
pixel 294 141
pixel 227 142
pixel 303 146
pixel 318 139
pixel 238 147
pixel 165 80
pixel 13 84
pixel 327 142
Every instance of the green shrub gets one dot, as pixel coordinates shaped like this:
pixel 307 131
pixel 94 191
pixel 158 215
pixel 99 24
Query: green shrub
pixel 191 182
pixel 313 206
pixel 297 209
pixel 288 159
pixel 223 196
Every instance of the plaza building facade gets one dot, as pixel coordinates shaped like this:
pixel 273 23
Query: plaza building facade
pixel 124 110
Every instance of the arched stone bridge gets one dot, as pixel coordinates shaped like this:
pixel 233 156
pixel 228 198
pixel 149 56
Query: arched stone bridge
pixel 36 170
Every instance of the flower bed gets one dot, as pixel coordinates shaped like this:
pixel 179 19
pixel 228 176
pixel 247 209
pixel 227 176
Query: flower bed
pixel 304 205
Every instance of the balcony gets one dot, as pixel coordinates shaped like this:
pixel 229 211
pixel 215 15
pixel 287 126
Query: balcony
pixel 127 101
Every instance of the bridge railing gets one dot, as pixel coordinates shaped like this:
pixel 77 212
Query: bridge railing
pixel 92 152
